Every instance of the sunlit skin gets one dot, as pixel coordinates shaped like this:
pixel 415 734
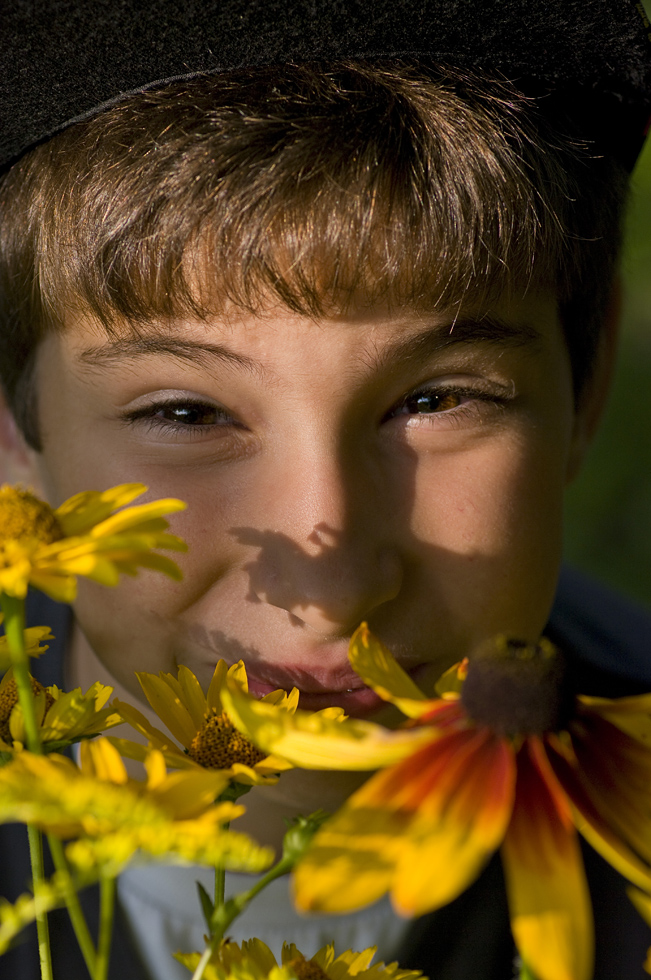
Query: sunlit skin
pixel 405 469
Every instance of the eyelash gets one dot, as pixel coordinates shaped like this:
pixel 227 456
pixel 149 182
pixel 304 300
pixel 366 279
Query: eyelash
pixel 458 413
pixel 477 400
pixel 148 416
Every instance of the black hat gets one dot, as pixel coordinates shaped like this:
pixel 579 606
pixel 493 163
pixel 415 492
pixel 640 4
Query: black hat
pixel 64 60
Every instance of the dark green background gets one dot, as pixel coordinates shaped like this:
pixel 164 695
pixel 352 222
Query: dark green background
pixel 608 514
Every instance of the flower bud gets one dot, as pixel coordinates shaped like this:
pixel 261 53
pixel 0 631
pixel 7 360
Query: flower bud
pixel 299 834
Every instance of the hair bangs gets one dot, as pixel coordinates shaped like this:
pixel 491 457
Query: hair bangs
pixel 322 188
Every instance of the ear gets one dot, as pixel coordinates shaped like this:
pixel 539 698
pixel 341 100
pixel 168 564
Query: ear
pixel 595 393
pixel 18 463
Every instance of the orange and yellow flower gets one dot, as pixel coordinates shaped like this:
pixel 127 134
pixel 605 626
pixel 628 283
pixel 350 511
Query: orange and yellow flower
pixel 253 960
pixel 48 548
pixel 208 738
pixel 508 761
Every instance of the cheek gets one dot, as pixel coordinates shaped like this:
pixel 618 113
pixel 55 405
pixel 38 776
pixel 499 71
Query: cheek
pixel 478 503
pixel 491 519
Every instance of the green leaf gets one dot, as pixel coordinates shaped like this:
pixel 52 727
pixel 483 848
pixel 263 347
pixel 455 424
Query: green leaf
pixel 207 906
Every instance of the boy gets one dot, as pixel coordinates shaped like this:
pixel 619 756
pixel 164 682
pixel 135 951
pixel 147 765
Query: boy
pixel 333 278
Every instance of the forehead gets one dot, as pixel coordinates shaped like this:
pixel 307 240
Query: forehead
pixel 380 335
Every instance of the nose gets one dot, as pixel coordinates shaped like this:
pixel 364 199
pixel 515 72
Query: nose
pixel 330 558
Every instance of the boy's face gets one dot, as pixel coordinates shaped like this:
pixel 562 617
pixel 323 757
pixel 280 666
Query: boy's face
pixel 404 469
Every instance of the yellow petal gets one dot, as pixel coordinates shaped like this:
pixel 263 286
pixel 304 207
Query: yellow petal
pixel 61 587
pixel 350 863
pixel 591 824
pixel 141 724
pixel 353 962
pixel 101 759
pixel 254 777
pixel 168 706
pixel 138 518
pixel 15 578
pixel 324 956
pixel 80 513
pixel 236 674
pixel 68 716
pixel 217 681
pixel 451 682
pixel 174 758
pixel 379 670
pixel 632 714
pixel 615 770
pixel 193 697
pixel 317 741
pixel 187 793
pixel 551 917
pixel 465 783
pixel 286 700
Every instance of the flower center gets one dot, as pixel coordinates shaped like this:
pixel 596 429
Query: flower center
pixel 219 744
pixel 518 688
pixel 22 515
pixel 9 698
pixel 306 969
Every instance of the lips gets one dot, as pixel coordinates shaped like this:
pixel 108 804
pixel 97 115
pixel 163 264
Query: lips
pixel 322 674
pixel 319 688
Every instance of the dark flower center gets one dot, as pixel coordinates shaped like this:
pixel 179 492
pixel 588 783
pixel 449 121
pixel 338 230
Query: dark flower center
pixel 218 744
pixel 24 516
pixel 306 969
pixel 517 688
pixel 9 698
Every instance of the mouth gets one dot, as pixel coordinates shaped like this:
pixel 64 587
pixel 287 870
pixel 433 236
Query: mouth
pixel 343 689
pixel 323 675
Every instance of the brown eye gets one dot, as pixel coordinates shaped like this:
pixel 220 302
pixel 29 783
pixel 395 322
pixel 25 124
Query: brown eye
pixel 428 402
pixel 191 414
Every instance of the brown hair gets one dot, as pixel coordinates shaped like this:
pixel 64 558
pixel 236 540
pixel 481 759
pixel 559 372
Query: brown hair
pixel 318 186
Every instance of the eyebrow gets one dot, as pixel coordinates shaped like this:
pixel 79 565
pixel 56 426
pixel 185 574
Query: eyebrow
pixel 177 347
pixel 464 330
pixel 487 329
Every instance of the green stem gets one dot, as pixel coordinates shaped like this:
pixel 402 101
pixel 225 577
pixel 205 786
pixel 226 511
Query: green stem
pixel 240 902
pixel 38 876
pixel 73 904
pixel 220 880
pixel 14 613
pixel 14 623
pixel 106 910
pixel 227 912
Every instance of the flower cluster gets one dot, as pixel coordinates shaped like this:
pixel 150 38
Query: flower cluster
pixel 62 717
pixel 48 548
pixel 253 960
pixel 202 726
pixel 168 815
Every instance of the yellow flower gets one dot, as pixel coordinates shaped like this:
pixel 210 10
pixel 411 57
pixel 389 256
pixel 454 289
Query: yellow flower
pixel 253 960
pixel 61 718
pixel 49 548
pixel 169 816
pixel 508 759
pixel 201 725
pixel 34 638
